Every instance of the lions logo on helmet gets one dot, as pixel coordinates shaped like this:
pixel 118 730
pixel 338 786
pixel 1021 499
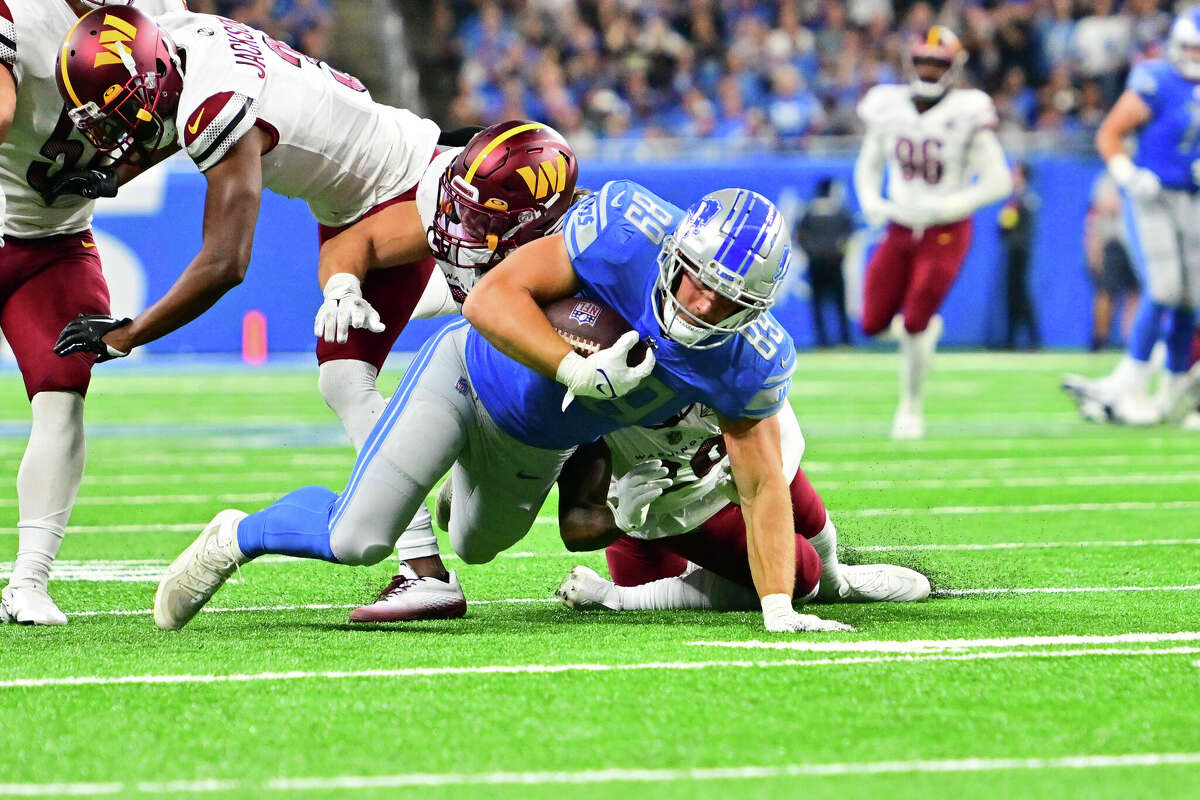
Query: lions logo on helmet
pixel 1183 44
pixel 935 63
pixel 734 242
pixel 510 185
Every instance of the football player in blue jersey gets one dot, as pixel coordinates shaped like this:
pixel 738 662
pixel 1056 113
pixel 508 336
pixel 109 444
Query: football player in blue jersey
pixel 503 402
pixel 1161 184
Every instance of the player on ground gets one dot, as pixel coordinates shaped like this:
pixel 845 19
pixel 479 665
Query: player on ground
pixel 49 273
pixel 943 163
pixel 1161 187
pixel 675 535
pixel 505 401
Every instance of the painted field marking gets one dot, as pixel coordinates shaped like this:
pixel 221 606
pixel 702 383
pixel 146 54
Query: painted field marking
pixel 971 546
pixel 1027 482
pixel 602 776
pixel 549 669
pixel 1063 590
pixel 950 645
pixel 1002 462
pixel 1036 508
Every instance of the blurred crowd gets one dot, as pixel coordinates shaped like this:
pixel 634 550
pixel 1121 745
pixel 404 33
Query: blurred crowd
pixel 730 70
pixel 304 24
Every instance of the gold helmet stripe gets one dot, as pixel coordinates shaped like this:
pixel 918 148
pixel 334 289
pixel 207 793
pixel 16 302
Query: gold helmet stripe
pixel 62 67
pixel 935 35
pixel 492 145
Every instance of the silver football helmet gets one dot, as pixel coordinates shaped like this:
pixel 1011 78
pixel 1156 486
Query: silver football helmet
pixel 1183 44
pixel 733 241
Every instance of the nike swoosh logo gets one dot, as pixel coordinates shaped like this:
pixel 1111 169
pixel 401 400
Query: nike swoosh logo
pixel 616 201
pixel 88 245
pixel 195 126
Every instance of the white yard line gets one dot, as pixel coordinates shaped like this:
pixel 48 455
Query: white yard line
pixel 1026 482
pixel 1036 508
pixel 972 546
pixel 602 776
pixel 1064 590
pixel 934 463
pixel 548 669
pixel 945 645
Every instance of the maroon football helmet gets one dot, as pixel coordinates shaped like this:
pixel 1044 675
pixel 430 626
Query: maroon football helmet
pixel 508 186
pixel 120 77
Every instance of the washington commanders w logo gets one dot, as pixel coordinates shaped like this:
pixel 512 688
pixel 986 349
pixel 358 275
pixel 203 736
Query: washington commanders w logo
pixel 114 36
pixel 551 176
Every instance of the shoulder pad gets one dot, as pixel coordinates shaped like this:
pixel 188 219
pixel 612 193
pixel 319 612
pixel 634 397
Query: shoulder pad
pixel 775 353
pixel 602 217
pixel 214 126
pixel 8 37
pixel 876 102
pixel 1144 78
pixel 977 107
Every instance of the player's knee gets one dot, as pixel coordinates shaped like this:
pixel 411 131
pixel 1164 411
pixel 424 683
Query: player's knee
pixel 874 324
pixel 475 553
pixel 345 382
pixel 360 552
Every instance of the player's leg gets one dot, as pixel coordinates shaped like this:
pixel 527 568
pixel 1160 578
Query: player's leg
pixel 62 278
pixel 937 259
pixel 886 279
pixel 416 439
pixel 1177 390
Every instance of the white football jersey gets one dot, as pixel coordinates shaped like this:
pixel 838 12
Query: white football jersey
pixel 928 154
pixel 692 447
pixel 332 145
pixel 42 139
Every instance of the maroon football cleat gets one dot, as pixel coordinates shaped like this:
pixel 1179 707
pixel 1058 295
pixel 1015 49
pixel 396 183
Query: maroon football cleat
pixel 410 597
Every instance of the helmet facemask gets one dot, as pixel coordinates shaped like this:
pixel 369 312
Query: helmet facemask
pixel 475 234
pixel 1183 46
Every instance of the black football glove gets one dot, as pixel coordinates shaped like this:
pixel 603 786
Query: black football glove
pixel 85 334
pixel 90 183
pixel 459 137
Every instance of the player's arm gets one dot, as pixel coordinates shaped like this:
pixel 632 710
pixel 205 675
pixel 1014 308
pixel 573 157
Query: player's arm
pixel 868 180
pixel 230 216
pixel 756 458
pixel 389 238
pixel 588 517
pixel 1130 112
pixel 993 180
pixel 585 521
pixel 8 106
pixel 505 306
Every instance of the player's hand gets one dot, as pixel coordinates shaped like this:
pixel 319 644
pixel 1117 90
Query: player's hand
pixel 85 334
pixel 344 308
pixel 780 617
pixel 1144 184
pixel 89 183
pixel 604 374
pixel 635 491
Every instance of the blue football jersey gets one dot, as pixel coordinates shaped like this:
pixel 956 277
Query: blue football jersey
pixel 613 239
pixel 1169 144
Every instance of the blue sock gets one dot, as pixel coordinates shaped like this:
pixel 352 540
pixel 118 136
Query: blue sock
pixel 1145 330
pixel 297 524
pixel 1178 335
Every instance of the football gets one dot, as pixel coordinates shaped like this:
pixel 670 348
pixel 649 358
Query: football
pixel 589 325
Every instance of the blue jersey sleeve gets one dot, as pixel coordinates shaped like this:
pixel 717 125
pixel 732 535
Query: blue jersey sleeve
pixel 1144 79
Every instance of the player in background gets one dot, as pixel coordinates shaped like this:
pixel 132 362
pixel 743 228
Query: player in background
pixel 504 401
pixel 674 534
pixel 943 163
pixel 49 273
pixel 1161 188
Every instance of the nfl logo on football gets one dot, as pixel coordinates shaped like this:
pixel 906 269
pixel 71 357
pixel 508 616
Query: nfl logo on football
pixel 585 313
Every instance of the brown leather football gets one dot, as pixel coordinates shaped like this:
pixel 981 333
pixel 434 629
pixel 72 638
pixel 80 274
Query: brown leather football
pixel 589 325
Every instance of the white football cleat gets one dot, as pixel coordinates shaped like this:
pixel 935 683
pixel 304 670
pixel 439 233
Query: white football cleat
pixel 442 504
pixel 29 605
pixel 194 577
pixel 585 590
pixel 882 583
pixel 409 597
pixel 1191 422
pixel 908 424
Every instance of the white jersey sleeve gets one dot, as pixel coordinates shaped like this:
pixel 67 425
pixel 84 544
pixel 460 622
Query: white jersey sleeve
pixel 692 447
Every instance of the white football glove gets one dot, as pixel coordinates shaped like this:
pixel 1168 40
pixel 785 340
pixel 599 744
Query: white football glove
pixel 344 308
pixel 604 374
pixel 635 491
pixel 780 617
pixel 1138 181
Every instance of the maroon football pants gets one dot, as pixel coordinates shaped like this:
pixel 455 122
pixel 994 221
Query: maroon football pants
pixel 44 284
pixel 719 545
pixel 912 275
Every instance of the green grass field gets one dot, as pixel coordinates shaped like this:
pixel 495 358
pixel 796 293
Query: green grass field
pixel 1060 656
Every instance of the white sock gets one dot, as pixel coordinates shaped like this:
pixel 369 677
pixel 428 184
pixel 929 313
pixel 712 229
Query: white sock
pixel 348 387
pixel 696 588
pixel 47 483
pixel 832 583
pixel 418 539
pixel 916 354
